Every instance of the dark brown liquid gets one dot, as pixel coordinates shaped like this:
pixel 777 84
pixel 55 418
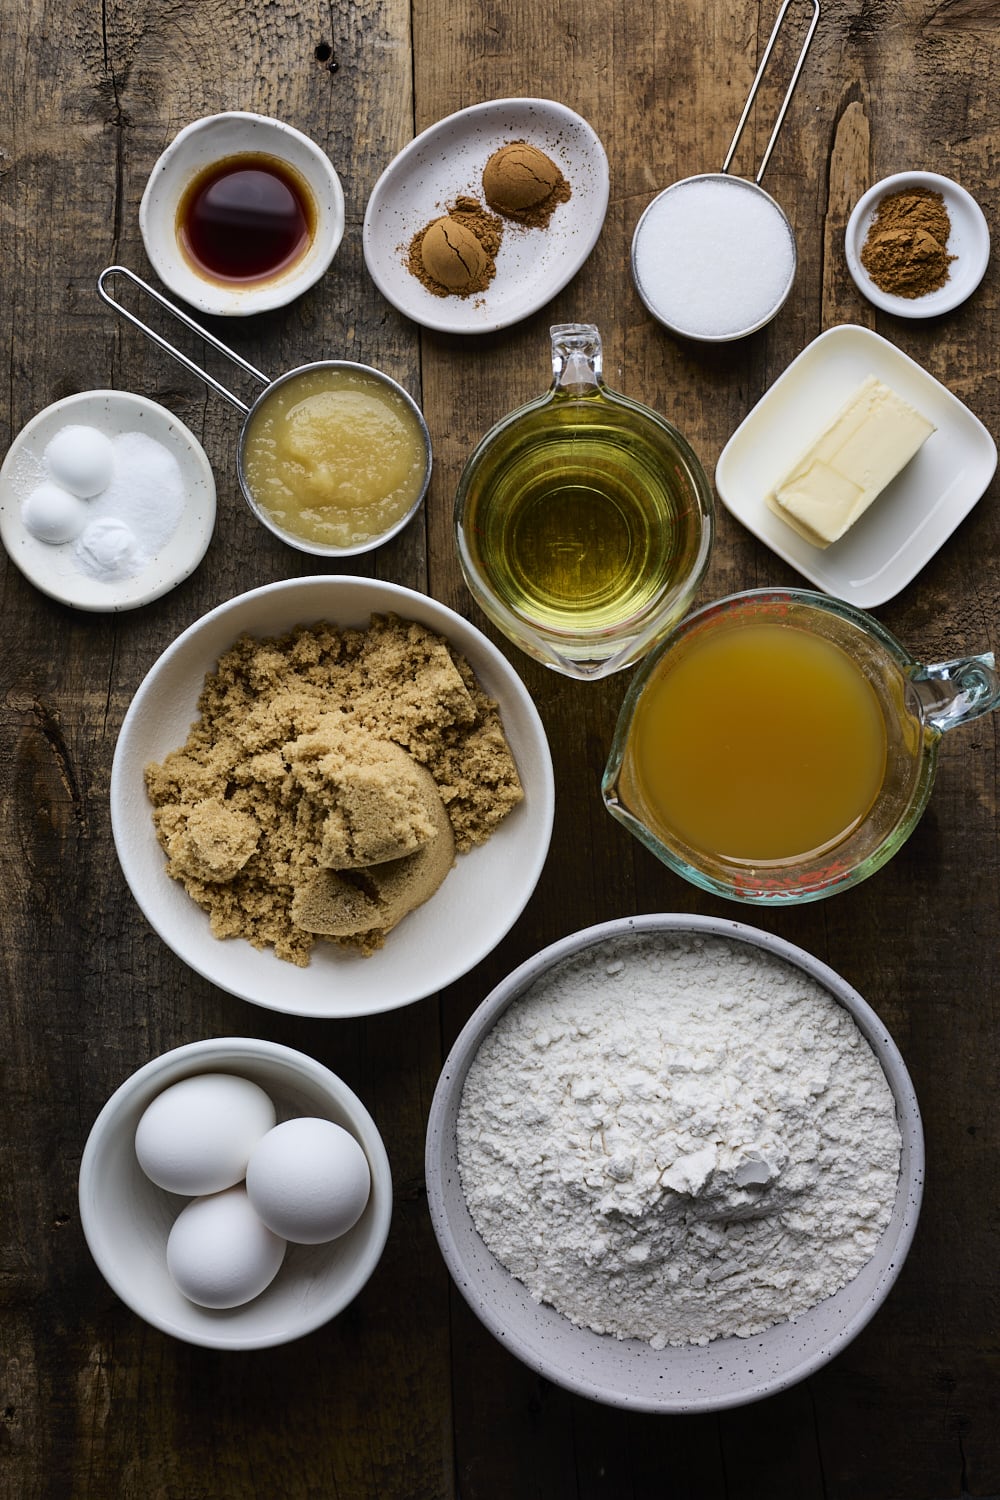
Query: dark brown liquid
pixel 245 218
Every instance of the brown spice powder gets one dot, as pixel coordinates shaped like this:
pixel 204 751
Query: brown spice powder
pixel 488 230
pixel 906 249
pixel 524 184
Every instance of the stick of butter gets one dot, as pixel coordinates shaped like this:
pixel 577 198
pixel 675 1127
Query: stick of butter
pixel 872 437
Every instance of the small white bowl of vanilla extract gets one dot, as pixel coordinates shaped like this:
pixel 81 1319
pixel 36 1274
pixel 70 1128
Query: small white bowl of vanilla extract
pixel 241 214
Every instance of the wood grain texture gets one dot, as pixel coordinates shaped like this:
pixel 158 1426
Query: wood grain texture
pixel 405 1396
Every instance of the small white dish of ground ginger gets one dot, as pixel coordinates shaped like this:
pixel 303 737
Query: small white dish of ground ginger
pixel 917 244
pixel 486 215
pixel 275 853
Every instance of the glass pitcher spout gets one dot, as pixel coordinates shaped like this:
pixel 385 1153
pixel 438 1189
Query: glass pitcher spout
pixel 577 358
pixel 953 692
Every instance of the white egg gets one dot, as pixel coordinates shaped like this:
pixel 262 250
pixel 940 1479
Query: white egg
pixel 82 459
pixel 219 1254
pixel 52 514
pixel 309 1180
pixel 197 1135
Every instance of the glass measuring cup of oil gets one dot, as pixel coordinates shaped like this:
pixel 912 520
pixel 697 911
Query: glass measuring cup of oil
pixel 584 519
pixel 781 745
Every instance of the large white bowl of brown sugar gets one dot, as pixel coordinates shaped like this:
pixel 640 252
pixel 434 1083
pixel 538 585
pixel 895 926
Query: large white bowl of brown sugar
pixel 332 796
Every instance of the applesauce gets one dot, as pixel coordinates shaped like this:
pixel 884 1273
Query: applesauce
pixel 336 455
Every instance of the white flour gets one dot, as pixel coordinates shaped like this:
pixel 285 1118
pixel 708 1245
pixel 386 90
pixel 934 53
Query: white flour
pixel 677 1139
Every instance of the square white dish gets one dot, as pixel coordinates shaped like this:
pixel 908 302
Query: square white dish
pixel 914 515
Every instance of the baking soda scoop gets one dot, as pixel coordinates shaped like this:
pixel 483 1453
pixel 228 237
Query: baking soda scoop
pixel 713 256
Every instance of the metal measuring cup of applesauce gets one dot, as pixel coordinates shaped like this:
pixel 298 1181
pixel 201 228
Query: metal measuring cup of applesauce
pixel 727 228
pixel 303 544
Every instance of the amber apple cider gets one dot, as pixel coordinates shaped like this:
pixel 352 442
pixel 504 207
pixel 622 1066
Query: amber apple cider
pixel 757 742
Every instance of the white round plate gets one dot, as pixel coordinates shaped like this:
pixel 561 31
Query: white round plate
pixel 912 517
pixel 480 899
pixel 448 160
pixel 211 140
pixel 54 569
pixel 969 242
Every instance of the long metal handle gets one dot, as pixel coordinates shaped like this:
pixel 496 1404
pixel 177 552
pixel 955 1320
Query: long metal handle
pixel 189 322
pixel 756 85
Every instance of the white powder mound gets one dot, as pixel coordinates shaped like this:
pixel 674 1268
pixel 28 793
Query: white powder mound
pixel 678 1139
pixel 120 527
pixel 138 512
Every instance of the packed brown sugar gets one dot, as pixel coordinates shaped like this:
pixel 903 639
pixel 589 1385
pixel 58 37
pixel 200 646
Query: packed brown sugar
pixel 329 782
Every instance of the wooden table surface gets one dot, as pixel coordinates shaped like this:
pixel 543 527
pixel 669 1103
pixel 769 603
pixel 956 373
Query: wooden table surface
pixel 405 1395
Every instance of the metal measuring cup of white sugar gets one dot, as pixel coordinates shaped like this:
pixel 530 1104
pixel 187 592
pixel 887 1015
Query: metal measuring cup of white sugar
pixel 324 485
pixel 714 256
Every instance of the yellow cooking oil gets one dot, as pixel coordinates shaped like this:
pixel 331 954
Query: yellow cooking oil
pixel 578 524
pixel 757 742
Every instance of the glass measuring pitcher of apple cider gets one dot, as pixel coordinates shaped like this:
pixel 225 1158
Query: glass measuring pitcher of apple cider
pixel 584 519
pixel 781 745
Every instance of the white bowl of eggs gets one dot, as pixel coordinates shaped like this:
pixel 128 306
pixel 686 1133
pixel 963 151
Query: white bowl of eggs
pixel 235 1193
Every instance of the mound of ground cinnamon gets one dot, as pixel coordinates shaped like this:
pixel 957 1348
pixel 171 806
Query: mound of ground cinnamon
pixel 906 249
pixel 329 782
pixel 455 254
pixel 523 183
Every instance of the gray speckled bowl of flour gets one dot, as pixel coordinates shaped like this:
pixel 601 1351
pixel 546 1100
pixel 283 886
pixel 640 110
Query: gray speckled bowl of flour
pixel 628 1371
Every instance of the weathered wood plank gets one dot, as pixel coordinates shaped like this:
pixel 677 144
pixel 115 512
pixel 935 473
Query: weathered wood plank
pixel 406 1395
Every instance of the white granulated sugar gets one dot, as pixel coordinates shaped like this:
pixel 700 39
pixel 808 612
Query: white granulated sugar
pixel 678 1139
pixel 118 531
pixel 137 513
pixel 713 258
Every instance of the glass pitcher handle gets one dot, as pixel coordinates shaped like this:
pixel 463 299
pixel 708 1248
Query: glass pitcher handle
pixel 953 692
pixel 576 358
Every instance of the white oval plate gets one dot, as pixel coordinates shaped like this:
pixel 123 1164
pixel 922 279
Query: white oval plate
pixel 54 569
pixel 479 901
pixel 968 242
pixel 910 519
pixel 447 160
